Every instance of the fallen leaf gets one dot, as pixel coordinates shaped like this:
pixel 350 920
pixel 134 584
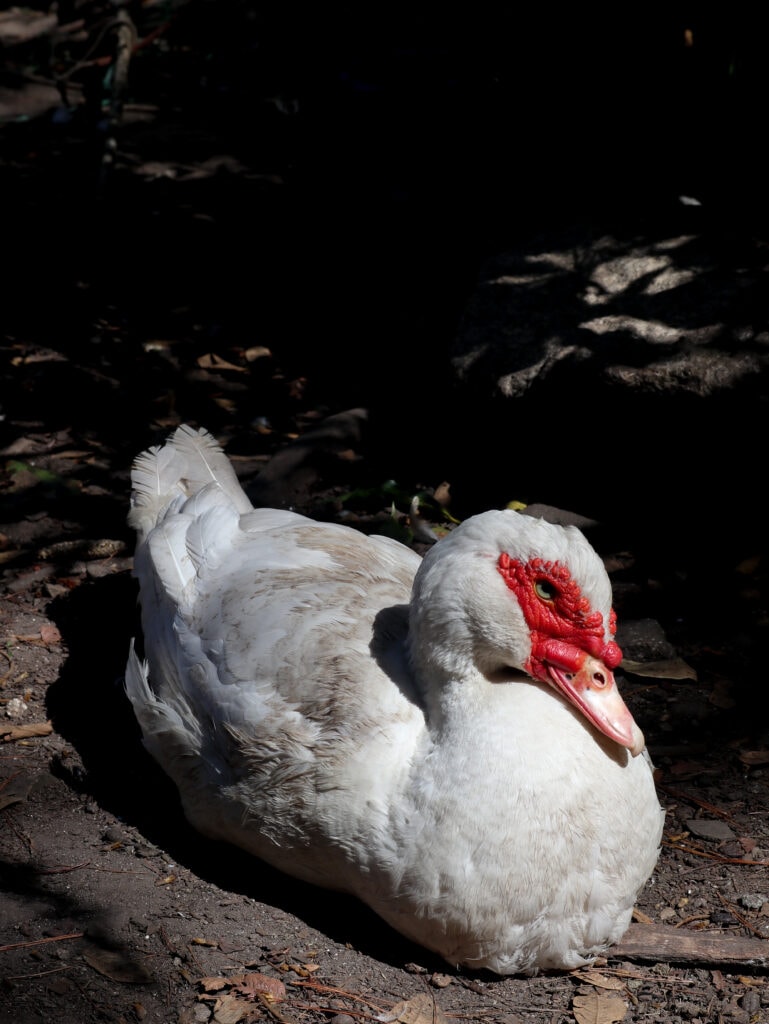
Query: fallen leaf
pixel 256 352
pixel 203 942
pixel 601 980
pixel 442 493
pixel 49 634
pixel 254 985
pixel 420 1009
pixel 669 668
pixel 721 695
pixel 754 757
pixel 303 970
pixel 229 1009
pixel 638 915
pixel 211 361
pixel 118 966
pixel 441 980
pixel 214 984
pixel 598 1009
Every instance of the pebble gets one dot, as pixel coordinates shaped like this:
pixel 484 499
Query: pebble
pixel 752 900
pixel 15 708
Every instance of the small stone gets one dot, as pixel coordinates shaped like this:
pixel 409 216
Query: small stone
pixel 751 1002
pixel 752 900
pixel 15 708
pixel 706 828
pixel 722 917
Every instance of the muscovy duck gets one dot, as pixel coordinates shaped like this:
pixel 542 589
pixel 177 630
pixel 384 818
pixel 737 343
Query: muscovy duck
pixel 442 737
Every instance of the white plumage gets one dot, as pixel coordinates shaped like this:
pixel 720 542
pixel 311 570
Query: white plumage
pixel 442 738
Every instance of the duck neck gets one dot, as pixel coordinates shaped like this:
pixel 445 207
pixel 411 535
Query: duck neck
pixel 446 676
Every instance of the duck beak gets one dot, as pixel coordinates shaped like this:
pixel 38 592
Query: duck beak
pixel 590 686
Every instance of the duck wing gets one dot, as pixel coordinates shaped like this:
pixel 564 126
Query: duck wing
pixel 275 691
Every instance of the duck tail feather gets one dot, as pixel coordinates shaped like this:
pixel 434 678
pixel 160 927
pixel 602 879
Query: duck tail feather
pixel 163 478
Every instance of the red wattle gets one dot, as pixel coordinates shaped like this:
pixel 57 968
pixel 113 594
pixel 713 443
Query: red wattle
pixel 611 655
pixel 562 655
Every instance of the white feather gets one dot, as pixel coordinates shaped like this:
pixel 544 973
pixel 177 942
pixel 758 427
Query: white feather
pixel 323 700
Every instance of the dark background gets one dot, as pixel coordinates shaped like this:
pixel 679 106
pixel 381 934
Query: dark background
pixel 370 159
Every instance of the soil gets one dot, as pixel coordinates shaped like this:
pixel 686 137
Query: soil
pixel 131 307
pixel 114 909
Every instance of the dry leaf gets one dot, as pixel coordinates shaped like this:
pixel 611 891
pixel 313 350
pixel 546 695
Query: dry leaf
pixel 598 1009
pixel 421 1009
pixel 203 942
pixel 638 915
pixel 117 966
pixel 49 634
pixel 255 985
pixel 211 361
pixel 214 984
pixel 229 1009
pixel 441 980
pixel 22 732
pixel 721 695
pixel 601 980
pixel 670 668
pixel 754 757
pixel 442 494
pixel 256 352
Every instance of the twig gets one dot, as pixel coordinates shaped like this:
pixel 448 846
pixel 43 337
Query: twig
pixel 743 921
pixel 40 942
pixel 693 917
pixel 711 808
pixel 62 870
pixel 331 1011
pixel 37 974
pixel 710 855
pixel 332 990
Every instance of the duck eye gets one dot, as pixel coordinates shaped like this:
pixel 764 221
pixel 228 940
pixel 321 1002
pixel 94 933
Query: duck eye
pixel 545 590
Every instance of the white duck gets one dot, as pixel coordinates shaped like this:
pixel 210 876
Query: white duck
pixel 441 737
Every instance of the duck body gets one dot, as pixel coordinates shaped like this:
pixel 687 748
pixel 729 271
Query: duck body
pixel 376 723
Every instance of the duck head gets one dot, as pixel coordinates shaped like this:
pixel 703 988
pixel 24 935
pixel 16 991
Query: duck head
pixel 507 591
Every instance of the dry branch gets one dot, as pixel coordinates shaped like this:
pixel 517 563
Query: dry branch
pixel 671 945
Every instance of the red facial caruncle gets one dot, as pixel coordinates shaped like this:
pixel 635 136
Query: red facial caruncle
pixel 569 649
pixel 555 609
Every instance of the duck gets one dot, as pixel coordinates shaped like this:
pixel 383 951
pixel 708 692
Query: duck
pixel 442 737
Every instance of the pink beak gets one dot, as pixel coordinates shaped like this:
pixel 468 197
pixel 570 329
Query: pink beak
pixel 589 685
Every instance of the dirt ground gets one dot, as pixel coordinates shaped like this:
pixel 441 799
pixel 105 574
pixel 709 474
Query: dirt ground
pixel 204 283
pixel 112 909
